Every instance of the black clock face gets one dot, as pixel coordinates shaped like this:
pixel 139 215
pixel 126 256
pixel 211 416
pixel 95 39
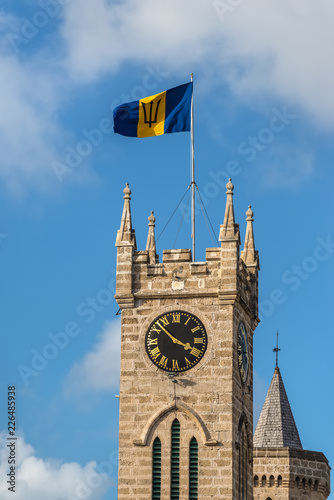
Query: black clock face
pixel 243 354
pixel 176 341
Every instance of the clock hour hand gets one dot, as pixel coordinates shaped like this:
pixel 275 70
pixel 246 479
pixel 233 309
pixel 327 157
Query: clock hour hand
pixel 187 346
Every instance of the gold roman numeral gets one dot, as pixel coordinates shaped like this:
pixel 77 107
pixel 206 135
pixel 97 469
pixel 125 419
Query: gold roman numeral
pixel 195 352
pixel 152 341
pixel 198 340
pixel 187 362
pixel 175 365
pixel 240 360
pixel 163 362
pixel 187 320
pixel 155 329
pixel 164 320
pixel 155 353
pixel 176 317
pixel 195 329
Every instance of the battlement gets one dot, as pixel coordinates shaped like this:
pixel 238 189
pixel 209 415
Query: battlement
pixel 227 273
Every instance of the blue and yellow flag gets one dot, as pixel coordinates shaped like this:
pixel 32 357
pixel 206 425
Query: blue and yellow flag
pixel 158 114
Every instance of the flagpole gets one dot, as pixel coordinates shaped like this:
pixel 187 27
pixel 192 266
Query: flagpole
pixel 192 174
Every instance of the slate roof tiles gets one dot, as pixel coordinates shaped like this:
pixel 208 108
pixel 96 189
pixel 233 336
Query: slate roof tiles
pixel 276 427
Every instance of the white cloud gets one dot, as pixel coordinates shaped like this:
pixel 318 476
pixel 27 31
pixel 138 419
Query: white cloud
pixel 99 369
pixel 29 133
pixel 38 479
pixel 102 36
pixel 261 48
pixel 33 89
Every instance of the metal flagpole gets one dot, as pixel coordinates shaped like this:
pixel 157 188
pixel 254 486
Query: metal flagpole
pixel 192 174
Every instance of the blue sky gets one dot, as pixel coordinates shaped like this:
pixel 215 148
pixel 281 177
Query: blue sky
pixel 264 115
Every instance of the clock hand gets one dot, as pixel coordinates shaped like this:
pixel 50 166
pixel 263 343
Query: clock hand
pixel 169 334
pixel 187 346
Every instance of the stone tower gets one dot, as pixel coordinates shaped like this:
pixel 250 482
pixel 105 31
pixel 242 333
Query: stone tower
pixel 186 402
pixel 283 470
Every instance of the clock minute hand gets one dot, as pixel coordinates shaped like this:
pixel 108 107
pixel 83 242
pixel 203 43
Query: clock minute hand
pixel 187 346
pixel 169 334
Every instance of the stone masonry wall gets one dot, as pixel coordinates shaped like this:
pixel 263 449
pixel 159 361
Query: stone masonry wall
pixel 304 474
pixel 209 399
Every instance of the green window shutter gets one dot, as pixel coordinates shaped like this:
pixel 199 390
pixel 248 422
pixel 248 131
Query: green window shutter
pixel 175 461
pixel 156 470
pixel 193 469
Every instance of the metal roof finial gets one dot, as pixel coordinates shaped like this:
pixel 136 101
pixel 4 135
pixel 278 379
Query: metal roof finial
pixel 276 350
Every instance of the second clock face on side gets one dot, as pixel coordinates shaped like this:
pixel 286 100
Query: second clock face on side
pixel 176 341
pixel 243 354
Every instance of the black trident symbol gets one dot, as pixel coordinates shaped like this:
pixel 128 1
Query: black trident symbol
pixel 150 121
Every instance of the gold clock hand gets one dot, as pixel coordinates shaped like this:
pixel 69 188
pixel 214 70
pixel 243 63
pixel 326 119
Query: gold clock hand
pixel 169 334
pixel 187 346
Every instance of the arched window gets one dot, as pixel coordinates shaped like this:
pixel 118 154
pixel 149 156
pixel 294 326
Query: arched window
pixel 256 481
pixel 304 483
pixel 279 481
pixel 310 484
pixel 271 481
pixel 156 469
pixel 297 482
pixel 175 461
pixel 243 461
pixel 193 469
pixel 316 484
pixel 268 498
pixel 264 482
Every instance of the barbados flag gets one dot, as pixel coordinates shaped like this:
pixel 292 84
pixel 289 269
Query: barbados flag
pixel 158 114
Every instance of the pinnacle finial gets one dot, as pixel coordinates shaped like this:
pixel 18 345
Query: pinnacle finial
pixel 229 229
pixel 127 192
pixel 150 246
pixel 151 219
pixel 229 187
pixel 249 214
pixel 249 254
pixel 125 234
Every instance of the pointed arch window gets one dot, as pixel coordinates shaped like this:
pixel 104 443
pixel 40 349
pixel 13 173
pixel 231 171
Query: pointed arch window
pixel 264 481
pixel 279 481
pixel 271 481
pixel 156 469
pixel 193 469
pixel 243 461
pixel 175 461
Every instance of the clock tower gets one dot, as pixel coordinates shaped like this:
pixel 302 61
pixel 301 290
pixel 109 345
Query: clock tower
pixel 186 385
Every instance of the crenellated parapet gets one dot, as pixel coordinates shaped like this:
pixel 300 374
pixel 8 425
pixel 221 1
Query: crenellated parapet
pixel 227 273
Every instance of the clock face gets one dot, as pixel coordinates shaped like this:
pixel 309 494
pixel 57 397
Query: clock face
pixel 243 354
pixel 176 341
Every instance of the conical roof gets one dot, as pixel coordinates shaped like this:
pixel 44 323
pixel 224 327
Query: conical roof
pixel 276 427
